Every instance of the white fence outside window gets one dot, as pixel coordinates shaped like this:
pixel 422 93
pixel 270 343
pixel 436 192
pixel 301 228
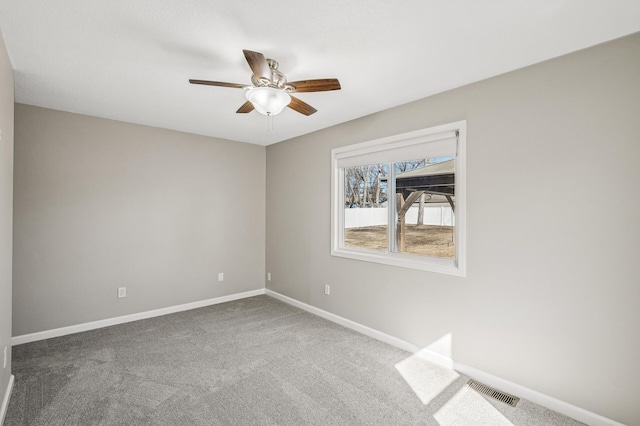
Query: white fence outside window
pixel 433 215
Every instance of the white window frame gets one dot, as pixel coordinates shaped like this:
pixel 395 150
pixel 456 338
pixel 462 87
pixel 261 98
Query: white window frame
pixel 455 266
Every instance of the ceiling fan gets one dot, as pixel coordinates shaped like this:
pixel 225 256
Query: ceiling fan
pixel 270 91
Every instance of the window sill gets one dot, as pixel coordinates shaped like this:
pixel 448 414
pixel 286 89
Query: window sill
pixel 430 264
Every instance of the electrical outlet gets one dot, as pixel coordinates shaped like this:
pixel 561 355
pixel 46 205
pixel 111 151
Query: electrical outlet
pixel 122 292
pixel 221 276
pixel 4 358
pixel 268 276
pixel 327 289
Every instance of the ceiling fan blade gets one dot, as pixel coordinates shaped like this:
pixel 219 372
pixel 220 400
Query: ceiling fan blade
pixel 258 64
pixel 218 83
pixel 245 108
pixel 320 85
pixel 302 107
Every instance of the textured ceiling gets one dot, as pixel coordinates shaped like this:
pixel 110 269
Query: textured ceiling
pixel 131 60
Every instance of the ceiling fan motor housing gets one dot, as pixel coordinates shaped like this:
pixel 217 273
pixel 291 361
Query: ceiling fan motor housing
pixel 278 79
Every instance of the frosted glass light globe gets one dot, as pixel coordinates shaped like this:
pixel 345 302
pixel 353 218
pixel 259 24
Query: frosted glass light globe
pixel 268 100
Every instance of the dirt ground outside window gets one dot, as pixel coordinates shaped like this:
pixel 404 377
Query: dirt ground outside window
pixel 425 240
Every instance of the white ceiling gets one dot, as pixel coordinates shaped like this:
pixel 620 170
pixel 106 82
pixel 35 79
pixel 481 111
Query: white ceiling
pixel 130 60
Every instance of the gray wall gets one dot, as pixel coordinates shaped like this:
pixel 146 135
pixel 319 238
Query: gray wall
pixel 6 210
pixel 550 304
pixel 101 204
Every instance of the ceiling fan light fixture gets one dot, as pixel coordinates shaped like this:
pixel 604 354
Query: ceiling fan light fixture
pixel 268 100
pixel 270 91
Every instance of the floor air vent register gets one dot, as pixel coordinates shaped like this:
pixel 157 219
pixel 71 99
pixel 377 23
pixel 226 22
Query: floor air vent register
pixel 493 393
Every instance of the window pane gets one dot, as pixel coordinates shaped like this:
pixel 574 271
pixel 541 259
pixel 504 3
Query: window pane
pixel 430 165
pixel 365 207
pixel 425 205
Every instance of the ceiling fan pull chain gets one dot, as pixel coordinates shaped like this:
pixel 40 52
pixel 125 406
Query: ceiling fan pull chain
pixel 269 123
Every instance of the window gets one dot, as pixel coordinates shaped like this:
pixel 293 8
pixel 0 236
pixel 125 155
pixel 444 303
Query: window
pixel 401 200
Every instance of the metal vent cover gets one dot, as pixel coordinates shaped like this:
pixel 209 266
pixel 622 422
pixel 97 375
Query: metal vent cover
pixel 493 393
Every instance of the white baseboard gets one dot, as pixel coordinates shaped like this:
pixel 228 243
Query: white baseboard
pixel 577 413
pixel 367 331
pixel 5 401
pixel 63 331
pixel 554 404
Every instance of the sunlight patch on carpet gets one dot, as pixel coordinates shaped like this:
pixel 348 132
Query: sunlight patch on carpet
pixel 469 408
pixel 426 379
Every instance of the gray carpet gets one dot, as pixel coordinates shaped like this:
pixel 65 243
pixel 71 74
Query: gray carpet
pixel 254 361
